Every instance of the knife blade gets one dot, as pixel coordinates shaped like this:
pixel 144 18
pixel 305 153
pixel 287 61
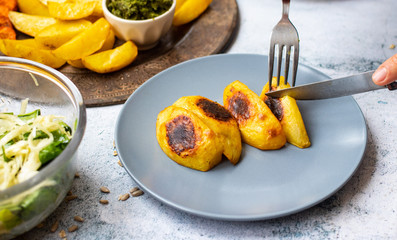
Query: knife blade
pixel 332 88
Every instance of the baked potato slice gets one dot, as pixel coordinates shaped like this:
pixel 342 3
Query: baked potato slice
pixel 216 117
pixel 287 112
pixel 30 24
pixel 71 10
pixel 29 49
pixel 85 43
pixel 111 60
pixel 78 63
pixel 188 10
pixel 59 33
pixel 33 7
pixel 259 127
pixel 187 140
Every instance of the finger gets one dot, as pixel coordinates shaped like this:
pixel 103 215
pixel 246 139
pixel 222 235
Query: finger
pixel 386 72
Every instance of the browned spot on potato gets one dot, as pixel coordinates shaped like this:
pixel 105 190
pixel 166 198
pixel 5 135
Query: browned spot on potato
pixel 180 134
pixel 272 132
pixel 239 106
pixel 275 106
pixel 214 110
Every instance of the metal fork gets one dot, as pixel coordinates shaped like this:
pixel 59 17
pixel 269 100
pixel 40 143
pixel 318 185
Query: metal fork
pixel 284 34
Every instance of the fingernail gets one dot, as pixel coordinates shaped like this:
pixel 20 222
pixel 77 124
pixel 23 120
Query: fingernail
pixel 380 75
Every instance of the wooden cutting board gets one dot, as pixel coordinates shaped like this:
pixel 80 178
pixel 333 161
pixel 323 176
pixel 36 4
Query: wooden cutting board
pixel 209 34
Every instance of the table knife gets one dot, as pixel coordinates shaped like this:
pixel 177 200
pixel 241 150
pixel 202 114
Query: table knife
pixel 333 88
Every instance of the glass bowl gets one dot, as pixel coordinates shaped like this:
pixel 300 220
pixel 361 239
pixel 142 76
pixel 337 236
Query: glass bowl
pixel 25 205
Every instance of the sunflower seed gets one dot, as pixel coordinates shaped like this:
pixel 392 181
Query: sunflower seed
pixel 104 190
pixel 134 189
pixel 76 175
pixel 137 193
pixel 114 153
pixel 124 197
pixel 73 228
pixel 103 201
pixel 40 225
pixel 54 226
pixel 78 219
pixel 118 162
pixel 62 234
pixel 70 198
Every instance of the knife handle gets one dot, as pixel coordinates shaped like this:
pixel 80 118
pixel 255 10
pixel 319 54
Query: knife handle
pixel 392 86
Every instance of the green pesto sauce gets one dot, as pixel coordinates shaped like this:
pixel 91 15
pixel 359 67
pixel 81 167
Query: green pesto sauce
pixel 138 9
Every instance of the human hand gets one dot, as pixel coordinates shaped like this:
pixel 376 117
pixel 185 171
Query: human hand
pixel 386 72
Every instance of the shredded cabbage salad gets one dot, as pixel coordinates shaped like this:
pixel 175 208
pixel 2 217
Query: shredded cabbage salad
pixel 27 142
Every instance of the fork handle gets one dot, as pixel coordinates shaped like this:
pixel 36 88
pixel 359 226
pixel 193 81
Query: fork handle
pixel 286 7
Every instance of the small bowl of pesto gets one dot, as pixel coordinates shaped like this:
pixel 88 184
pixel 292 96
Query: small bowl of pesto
pixel 142 21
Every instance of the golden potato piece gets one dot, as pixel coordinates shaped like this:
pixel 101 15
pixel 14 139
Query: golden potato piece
pixel 33 7
pixel 109 42
pixel 59 33
pixel 189 10
pixel 78 63
pixel 45 2
pixel 98 11
pixel 30 24
pixel 29 49
pixel 259 127
pixel 85 43
pixel 187 140
pixel 111 60
pixel 216 117
pixel 71 10
pixel 287 112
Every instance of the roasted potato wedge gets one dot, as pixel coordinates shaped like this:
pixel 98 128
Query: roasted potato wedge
pixel 98 11
pixel 188 10
pixel 33 7
pixel 187 140
pixel 78 63
pixel 259 127
pixel 109 42
pixel 107 45
pixel 111 60
pixel 71 10
pixel 85 43
pixel 216 117
pixel 30 24
pixel 29 49
pixel 59 33
pixel 287 112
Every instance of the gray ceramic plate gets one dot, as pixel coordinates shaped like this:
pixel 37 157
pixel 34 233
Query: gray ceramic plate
pixel 264 184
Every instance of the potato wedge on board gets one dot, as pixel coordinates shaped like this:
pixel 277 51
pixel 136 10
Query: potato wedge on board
pixel 189 10
pixel 76 63
pixel 29 49
pixel 59 33
pixel 112 60
pixel 71 10
pixel 109 42
pixel 33 7
pixel 85 43
pixel 30 24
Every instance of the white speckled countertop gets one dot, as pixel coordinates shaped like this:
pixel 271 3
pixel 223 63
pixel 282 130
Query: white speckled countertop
pixel 338 37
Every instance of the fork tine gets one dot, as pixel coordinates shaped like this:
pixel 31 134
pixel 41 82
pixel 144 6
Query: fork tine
pixel 295 67
pixel 287 58
pixel 279 59
pixel 271 65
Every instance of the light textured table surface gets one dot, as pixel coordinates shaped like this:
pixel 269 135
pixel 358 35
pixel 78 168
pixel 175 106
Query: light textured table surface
pixel 338 37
